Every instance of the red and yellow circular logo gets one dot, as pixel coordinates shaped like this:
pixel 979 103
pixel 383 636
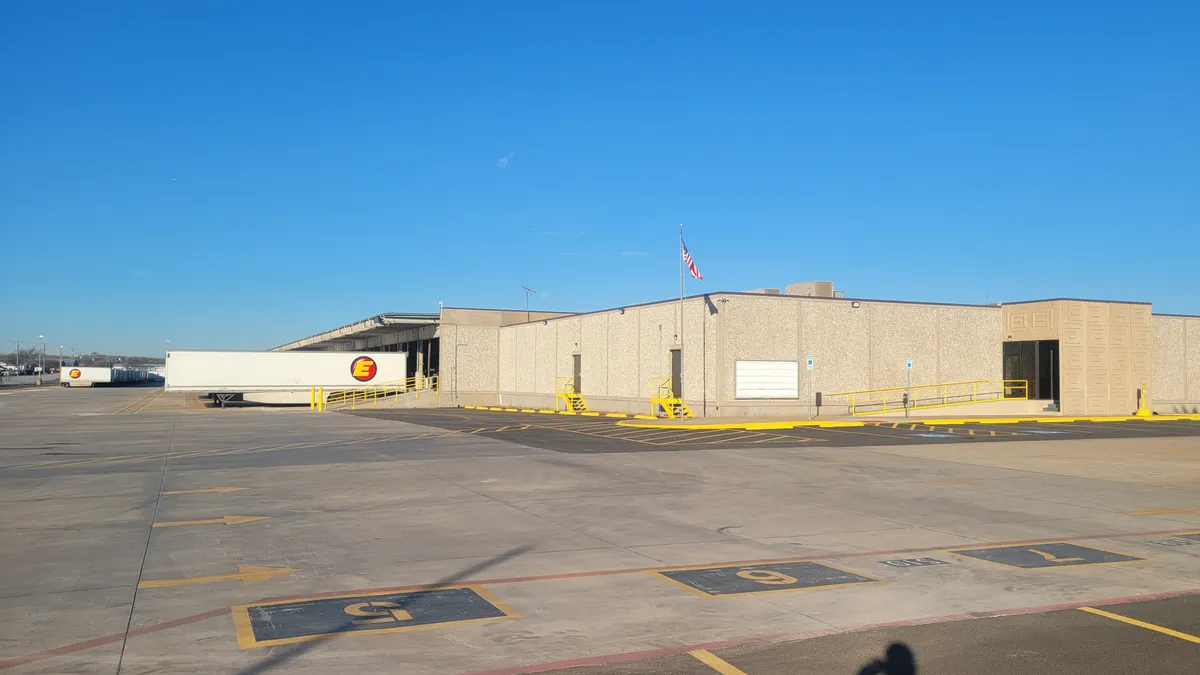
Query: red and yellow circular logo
pixel 363 369
pixel 75 373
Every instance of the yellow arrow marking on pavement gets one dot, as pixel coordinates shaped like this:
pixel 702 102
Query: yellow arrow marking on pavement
pixel 219 490
pixel 247 573
pixel 226 520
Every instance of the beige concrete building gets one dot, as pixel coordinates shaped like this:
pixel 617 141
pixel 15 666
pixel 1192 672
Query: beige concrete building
pixel 735 354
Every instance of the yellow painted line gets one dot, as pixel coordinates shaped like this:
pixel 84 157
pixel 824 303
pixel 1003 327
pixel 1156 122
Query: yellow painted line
pixel 247 573
pixel 1140 624
pixel 218 490
pixel 511 410
pixel 1161 512
pixel 590 414
pixel 745 426
pixel 528 410
pixel 644 417
pixel 1053 420
pixel 223 520
pixel 469 407
pixel 547 412
pixel 496 409
pixel 615 415
pixel 720 436
pixel 566 412
pixel 715 662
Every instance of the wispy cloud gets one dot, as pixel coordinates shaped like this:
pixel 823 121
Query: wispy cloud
pixel 503 161
pixel 632 254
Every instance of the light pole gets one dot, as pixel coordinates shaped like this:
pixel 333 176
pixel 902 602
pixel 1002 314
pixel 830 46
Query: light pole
pixel 42 363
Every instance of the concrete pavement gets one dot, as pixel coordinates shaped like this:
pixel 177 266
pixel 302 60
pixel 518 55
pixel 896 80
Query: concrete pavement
pixel 460 552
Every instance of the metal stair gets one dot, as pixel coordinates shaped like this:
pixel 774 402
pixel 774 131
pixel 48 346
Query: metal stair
pixel 662 396
pixel 565 392
pixel 675 408
pixel 574 402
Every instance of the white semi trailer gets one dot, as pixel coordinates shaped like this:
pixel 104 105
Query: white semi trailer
pixel 84 376
pixel 90 376
pixel 278 377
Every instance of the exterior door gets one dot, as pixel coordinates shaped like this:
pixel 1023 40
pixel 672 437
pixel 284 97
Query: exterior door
pixel 677 373
pixel 577 373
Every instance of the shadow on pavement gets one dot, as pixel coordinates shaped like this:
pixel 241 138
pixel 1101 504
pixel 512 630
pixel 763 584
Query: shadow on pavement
pixel 898 660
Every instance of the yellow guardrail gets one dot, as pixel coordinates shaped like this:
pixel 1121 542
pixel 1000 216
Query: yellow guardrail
pixel 320 398
pixel 870 401
pixel 662 394
pixel 567 391
pixel 660 387
pixel 564 385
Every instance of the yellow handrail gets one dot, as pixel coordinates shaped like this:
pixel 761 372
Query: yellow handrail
pixel 564 385
pixel 660 387
pixel 564 388
pixel 932 395
pixel 661 394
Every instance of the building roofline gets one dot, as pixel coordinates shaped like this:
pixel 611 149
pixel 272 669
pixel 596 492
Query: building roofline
pixel 373 321
pixel 758 295
pixel 1177 316
pixel 1111 302
pixel 493 309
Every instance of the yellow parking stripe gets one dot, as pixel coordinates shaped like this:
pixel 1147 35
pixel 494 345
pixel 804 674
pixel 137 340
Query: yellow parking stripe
pixel 1139 624
pixel 715 662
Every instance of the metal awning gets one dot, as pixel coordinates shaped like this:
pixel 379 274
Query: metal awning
pixel 380 324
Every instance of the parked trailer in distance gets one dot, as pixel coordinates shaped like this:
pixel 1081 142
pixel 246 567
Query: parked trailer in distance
pixel 90 376
pixel 278 377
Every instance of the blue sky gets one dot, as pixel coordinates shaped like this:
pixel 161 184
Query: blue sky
pixel 239 174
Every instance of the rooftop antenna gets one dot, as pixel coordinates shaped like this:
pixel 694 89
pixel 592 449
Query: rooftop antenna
pixel 528 291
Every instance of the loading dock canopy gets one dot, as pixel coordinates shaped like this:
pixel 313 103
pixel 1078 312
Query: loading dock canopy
pixel 378 325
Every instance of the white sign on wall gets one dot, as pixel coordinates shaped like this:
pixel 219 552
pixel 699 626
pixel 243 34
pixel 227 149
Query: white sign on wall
pixel 766 379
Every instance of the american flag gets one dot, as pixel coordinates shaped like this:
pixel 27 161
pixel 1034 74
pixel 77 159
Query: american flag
pixel 691 264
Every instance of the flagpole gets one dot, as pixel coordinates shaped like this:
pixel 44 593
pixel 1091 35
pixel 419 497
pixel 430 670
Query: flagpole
pixel 679 394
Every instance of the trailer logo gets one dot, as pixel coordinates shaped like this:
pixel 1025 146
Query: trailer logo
pixel 363 369
pixel 74 373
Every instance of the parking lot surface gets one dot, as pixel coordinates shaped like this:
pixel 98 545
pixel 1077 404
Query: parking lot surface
pixel 175 538
pixel 575 434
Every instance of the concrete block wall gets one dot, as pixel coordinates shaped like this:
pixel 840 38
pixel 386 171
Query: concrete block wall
pixel 855 348
pixel 1175 382
pixel 621 351
pixel 470 358
pixel 1107 350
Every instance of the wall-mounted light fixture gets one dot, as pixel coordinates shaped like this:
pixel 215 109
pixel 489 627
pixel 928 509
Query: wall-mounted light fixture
pixel 545 322
pixel 621 310
pixel 855 304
